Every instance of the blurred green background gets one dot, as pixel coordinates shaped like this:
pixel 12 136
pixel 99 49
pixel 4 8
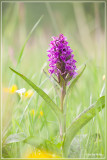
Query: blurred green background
pixel 82 23
pixel 84 26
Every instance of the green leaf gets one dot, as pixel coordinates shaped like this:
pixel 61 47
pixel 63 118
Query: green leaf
pixel 48 100
pixel 15 138
pixel 75 80
pixel 81 121
pixel 34 140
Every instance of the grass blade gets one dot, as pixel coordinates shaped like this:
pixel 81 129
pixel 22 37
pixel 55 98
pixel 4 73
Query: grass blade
pixel 81 121
pixel 23 47
pixel 103 90
pixel 21 53
pixel 48 100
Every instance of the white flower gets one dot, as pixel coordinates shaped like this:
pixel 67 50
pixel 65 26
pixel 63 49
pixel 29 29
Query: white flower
pixel 21 91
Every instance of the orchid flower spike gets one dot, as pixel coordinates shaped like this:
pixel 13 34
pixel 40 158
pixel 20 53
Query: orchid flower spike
pixel 61 59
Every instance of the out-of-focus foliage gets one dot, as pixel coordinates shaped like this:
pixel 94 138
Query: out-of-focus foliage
pixel 84 26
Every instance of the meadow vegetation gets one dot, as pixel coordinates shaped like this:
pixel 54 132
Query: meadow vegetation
pixel 28 123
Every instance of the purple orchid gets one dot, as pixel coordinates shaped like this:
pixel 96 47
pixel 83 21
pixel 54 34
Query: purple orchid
pixel 61 58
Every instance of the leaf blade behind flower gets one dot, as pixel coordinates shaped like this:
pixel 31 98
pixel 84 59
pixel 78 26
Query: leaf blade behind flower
pixel 75 80
pixel 80 121
pixel 48 100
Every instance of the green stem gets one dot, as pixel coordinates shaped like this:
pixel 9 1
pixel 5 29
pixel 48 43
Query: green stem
pixel 63 92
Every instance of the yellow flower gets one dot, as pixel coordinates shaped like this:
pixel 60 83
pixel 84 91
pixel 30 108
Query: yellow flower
pixel 32 112
pixel 11 90
pixel 28 94
pixel 41 154
pixel 41 113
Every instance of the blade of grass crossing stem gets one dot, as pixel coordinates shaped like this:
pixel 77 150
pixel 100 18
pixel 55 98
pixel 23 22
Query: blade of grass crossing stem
pixel 23 47
pixel 75 80
pixel 48 100
pixel 80 122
